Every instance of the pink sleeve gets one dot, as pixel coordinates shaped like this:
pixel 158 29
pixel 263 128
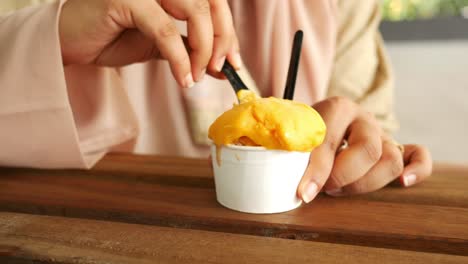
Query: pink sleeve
pixel 51 116
pixel 266 31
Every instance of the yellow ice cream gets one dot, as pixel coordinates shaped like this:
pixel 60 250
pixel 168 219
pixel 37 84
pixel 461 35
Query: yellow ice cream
pixel 269 122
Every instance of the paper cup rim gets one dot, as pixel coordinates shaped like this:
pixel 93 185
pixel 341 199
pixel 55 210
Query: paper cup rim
pixel 258 149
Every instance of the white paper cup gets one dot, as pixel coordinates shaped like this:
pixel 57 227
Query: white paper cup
pixel 257 180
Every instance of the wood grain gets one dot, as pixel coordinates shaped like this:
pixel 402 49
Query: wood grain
pixel 178 193
pixel 141 168
pixel 32 239
pixel 446 187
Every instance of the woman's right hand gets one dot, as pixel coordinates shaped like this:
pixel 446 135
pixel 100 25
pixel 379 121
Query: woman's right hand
pixel 121 32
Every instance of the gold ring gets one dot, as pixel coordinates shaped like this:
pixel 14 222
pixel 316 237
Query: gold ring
pixel 344 145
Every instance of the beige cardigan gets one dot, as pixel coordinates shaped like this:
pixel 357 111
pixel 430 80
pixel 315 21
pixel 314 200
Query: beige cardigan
pixel 58 117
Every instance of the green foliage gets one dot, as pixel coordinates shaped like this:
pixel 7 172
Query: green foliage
pixel 421 9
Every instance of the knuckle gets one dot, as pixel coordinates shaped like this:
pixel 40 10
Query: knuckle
pixel 182 61
pixel 217 3
pixel 424 150
pixel 231 38
pixel 395 161
pixel 226 35
pixel 168 30
pixel 204 54
pixel 202 6
pixel 338 179
pixel 397 167
pixel 224 43
pixel 373 150
pixel 341 104
pixel 333 142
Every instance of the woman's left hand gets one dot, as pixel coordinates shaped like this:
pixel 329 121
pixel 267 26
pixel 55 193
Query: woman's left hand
pixel 371 160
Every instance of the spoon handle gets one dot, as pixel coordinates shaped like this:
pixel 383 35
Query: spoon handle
pixel 293 66
pixel 233 77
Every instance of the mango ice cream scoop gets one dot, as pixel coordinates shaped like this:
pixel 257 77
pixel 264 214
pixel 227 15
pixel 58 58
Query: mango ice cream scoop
pixel 269 122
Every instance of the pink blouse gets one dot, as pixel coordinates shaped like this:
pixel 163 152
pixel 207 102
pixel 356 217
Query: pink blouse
pixel 53 116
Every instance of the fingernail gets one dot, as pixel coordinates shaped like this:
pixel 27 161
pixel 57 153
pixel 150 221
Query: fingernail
pixel 220 63
pixel 188 81
pixel 409 180
pixel 335 192
pixel 237 61
pixel 310 191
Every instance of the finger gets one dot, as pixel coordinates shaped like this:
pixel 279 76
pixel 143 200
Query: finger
pixel 364 151
pixel 200 36
pixel 233 57
pixel 389 167
pixel 418 165
pixel 225 40
pixel 200 30
pixel 132 46
pixel 219 56
pixel 216 74
pixel 338 113
pixel 153 21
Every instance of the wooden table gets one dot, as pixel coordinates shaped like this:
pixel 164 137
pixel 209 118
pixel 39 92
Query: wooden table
pixel 147 209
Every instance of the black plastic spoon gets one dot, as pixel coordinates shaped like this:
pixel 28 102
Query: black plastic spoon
pixel 293 66
pixel 233 77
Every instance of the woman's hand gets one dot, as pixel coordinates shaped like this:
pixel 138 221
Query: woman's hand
pixel 371 161
pixel 121 32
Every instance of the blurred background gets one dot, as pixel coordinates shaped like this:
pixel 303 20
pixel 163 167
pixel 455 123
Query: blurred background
pixel 427 42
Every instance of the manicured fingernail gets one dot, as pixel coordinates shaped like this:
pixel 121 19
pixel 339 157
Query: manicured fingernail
pixel 220 63
pixel 237 61
pixel 188 81
pixel 335 192
pixel 409 180
pixel 310 191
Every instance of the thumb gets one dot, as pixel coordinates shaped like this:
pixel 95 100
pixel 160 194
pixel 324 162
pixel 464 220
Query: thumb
pixel 317 172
